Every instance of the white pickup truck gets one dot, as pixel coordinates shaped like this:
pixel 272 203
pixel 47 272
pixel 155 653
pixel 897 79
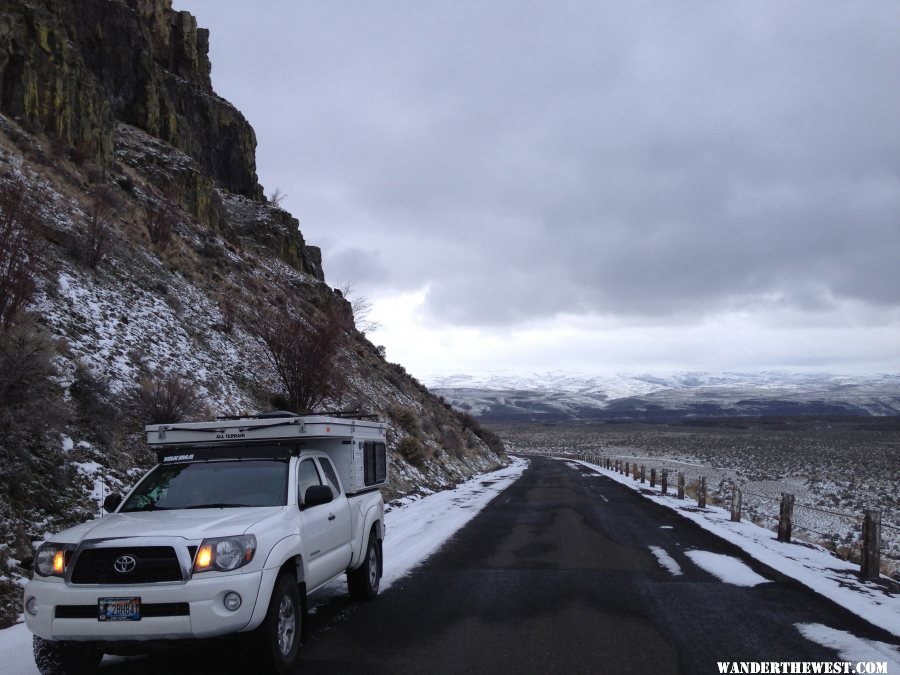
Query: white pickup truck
pixel 229 533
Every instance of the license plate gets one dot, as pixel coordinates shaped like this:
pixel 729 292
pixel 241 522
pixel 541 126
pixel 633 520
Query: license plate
pixel 119 609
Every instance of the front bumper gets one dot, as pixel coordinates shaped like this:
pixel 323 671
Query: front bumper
pixel 206 614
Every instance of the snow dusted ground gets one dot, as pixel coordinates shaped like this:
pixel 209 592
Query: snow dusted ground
pixel 416 528
pixel 811 565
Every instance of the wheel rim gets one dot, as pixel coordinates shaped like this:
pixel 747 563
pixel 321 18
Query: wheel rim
pixel 287 625
pixel 373 567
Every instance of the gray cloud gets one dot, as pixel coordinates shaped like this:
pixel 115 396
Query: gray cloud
pixel 531 159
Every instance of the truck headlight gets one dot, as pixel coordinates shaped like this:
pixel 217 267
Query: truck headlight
pixel 51 560
pixel 225 553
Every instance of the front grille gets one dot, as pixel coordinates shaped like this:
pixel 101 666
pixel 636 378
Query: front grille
pixel 153 564
pixel 147 611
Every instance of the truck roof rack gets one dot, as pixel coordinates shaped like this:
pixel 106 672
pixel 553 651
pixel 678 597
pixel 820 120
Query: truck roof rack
pixel 273 414
pixel 264 429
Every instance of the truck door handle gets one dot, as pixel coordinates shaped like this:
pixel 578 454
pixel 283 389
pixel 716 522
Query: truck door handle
pixel 331 516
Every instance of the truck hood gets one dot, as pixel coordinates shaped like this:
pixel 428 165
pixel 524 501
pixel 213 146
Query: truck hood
pixel 189 524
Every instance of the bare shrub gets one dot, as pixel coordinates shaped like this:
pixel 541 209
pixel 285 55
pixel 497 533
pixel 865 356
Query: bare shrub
pixel 25 366
pixel 94 402
pixel 18 217
pixel 412 449
pixel 160 218
pixel 162 399
pixel 277 197
pixel 305 354
pixel 104 206
pixel 486 436
pixel 361 307
pixel 406 419
pixel 229 314
pixel 452 441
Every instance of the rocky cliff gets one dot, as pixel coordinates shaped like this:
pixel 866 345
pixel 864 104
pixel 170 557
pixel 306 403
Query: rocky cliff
pixel 74 70
pixel 137 252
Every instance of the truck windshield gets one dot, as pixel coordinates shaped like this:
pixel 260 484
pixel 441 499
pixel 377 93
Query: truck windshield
pixel 218 484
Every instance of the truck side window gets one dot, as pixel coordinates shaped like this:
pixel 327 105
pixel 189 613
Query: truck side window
pixel 307 476
pixel 330 475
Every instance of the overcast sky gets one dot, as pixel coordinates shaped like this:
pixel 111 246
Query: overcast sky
pixel 588 185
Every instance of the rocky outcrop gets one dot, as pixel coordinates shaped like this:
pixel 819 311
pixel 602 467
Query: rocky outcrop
pixel 74 69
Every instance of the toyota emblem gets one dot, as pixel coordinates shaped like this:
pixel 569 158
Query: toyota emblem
pixel 125 564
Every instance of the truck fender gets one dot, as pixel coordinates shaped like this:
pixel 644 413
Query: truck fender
pixel 285 552
pixel 373 517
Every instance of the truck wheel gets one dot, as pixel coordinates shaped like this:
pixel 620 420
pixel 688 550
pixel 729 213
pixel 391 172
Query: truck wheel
pixel 60 658
pixel 363 582
pixel 279 634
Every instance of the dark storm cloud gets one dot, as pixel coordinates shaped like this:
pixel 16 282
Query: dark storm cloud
pixel 530 159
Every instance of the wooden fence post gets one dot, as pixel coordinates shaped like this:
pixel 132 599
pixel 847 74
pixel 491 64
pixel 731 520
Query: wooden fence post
pixel 701 493
pixel 634 471
pixel 735 503
pixel 665 481
pixel 680 485
pixel 871 534
pixel 786 514
pixel 643 474
pixel 652 477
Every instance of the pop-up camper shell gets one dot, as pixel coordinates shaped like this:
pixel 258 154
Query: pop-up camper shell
pixel 356 447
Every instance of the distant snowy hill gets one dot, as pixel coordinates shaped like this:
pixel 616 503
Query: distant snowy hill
pixel 558 396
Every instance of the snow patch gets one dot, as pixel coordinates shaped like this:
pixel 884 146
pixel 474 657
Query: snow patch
pixel 850 647
pixel 667 561
pixel 728 569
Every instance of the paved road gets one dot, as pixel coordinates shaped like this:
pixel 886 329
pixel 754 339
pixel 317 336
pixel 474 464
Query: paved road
pixel 556 576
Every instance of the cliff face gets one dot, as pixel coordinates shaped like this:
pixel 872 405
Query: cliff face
pixel 75 69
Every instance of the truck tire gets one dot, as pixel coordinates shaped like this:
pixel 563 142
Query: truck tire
pixel 60 658
pixel 364 581
pixel 279 634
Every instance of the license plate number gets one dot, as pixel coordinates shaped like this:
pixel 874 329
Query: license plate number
pixel 119 609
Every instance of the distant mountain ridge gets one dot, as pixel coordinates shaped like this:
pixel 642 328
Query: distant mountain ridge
pixel 560 396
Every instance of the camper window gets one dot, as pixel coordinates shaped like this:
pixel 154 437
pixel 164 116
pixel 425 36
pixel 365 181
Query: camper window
pixel 374 463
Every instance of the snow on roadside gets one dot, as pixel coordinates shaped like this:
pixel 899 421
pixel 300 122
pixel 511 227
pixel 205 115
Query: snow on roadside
pixel 415 530
pixel 809 564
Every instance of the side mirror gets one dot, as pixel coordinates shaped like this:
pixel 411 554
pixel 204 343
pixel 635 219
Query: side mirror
pixel 317 494
pixel 112 501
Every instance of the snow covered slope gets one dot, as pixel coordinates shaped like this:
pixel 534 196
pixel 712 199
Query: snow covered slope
pixel 557 396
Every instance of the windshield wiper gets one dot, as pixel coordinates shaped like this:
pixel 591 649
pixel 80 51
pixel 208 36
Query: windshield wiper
pixel 220 505
pixel 146 507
